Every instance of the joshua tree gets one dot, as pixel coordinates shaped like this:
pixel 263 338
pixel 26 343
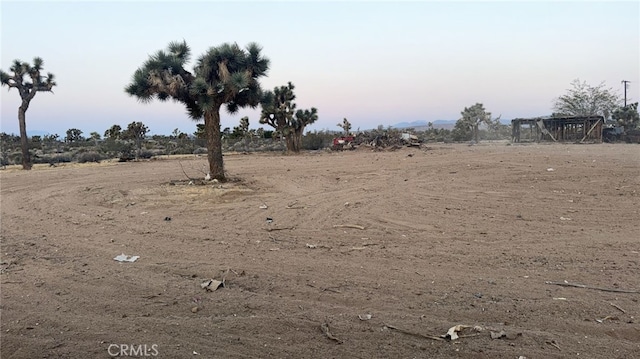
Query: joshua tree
pixel 136 131
pixel 278 111
pixel 27 89
pixel 301 120
pixel 472 117
pixel 224 75
pixel 346 126
pixel 74 135
pixel 627 116
pixel 113 133
pixel 95 137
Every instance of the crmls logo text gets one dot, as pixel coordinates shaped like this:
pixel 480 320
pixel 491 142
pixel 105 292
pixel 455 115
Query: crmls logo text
pixel 132 350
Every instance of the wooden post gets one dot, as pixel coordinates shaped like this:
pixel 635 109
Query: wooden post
pixel 588 133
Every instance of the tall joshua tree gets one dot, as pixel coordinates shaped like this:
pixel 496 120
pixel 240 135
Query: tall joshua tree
pixel 300 121
pixel 474 116
pixel 27 88
pixel 224 75
pixel 279 112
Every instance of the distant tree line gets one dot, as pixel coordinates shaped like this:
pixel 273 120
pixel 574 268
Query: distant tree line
pixel 227 76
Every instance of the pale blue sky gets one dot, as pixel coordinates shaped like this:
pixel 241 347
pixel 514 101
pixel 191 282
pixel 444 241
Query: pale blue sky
pixel 372 62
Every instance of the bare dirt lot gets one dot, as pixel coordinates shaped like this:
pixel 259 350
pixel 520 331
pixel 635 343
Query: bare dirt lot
pixel 419 239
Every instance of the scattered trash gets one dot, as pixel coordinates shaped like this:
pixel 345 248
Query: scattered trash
pixel 263 206
pixel 269 220
pixel 565 219
pixel 348 226
pixel 312 246
pixel 167 219
pixel 618 308
pixel 559 298
pixel 608 317
pixel 144 212
pixel 553 343
pixel 432 337
pixel 364 316
pixel 613 290
pixel 522 357
pixel 207 177
pixel 550 169
pixel 293 205
pixel 211 285
pixel 452 333
pixel 190 183
pixel 125 258
pixel 195 353
pixel 325 329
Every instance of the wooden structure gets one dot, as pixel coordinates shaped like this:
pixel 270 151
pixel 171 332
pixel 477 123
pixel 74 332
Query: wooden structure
pixel 557 129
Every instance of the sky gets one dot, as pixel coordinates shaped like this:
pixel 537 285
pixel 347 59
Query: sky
pixel 372 62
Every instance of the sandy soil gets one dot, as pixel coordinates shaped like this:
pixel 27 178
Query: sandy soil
pixel 452 234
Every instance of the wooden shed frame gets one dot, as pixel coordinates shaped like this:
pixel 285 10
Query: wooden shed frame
pixel 557 129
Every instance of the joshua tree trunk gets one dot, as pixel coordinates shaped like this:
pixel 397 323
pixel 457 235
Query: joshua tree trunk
pixel 214 143
pixel 291 142
pixel 298 139
pixel 24 141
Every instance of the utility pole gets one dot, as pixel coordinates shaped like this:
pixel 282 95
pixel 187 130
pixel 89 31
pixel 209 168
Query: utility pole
pixel 626 84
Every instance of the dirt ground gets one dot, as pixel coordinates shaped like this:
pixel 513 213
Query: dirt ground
pixel 449 234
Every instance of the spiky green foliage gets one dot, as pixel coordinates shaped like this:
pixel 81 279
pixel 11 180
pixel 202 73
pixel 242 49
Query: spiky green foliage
pixel 278 108
pixel 136 131
pixel 224 75
pixel 627 116
pixel 28 80
pixel 304 118
pixel 279 112
pixel 467 127
pixel 346 126
pixel 113 133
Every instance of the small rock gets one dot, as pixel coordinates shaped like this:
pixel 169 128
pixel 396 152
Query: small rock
pixel 194 310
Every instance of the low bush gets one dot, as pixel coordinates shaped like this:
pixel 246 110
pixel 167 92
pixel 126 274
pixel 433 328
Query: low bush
pixel 90 156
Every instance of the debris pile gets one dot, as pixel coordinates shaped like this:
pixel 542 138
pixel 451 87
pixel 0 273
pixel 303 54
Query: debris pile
pixel 380 140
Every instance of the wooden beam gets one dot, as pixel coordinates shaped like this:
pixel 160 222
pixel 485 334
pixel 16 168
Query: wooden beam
pixel 588 133
pixel 544 130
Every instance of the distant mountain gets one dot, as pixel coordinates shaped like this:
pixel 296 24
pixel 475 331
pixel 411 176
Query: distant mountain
pixel 410 124
pixel 439 124
pixel 422 125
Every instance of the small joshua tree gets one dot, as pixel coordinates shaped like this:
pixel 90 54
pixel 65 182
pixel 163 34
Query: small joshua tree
pixel 27 88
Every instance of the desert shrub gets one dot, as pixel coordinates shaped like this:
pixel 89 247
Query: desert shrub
pixel 200 151
pixel 145 154
pixel 314 141
pixel 90 156
pixel 61 158
pixel 15 158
